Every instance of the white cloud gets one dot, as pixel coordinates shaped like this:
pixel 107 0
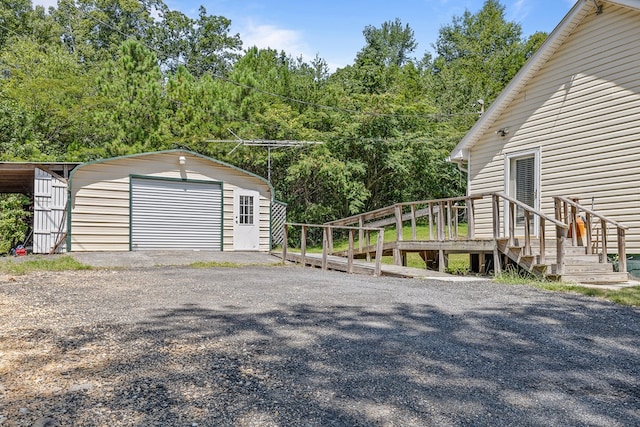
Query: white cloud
pixel 269 36
pixel 45 3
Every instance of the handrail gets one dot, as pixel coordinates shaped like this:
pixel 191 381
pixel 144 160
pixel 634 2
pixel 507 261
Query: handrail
pixel 590 212
pixel 561 229
pixel 389 210
pixel 530 209
pixel 327 243
pixel 572 221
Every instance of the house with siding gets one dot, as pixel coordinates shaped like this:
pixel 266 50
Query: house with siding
pixel 567 125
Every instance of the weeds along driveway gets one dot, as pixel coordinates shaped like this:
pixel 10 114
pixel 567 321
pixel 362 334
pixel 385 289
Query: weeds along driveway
pixel 287 346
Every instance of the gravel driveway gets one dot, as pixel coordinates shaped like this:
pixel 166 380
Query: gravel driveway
pixel 287 346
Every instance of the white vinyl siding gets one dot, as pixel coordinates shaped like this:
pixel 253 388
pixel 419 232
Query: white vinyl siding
pixel 582 111
pixel 100 219
pixel 175 214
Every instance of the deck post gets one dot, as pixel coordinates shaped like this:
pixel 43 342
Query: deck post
pixel 397 258
pixel 430 221
pixel 496 217
pixel 350 252
pixel 622 251
pixel 326 231
pixel 449 222
pixel 414 233
pixel 574 223
pixel 561 237
pixel 442 263
pixel 512 223
pixel 368 244
pixel 497 265
pixel 527 232
pixel 588 237
pixel 543 247
pixel 330 239
pixel 471 223
pixel 379 249
pixel 285 238
pixel 303 245
pixel 360 232
pixel 441 221
pixel 603 227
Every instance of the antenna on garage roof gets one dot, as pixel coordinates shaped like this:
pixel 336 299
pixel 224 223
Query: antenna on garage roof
pixel 269 143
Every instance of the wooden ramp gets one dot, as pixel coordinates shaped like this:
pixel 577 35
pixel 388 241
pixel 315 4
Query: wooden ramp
pixel 339 263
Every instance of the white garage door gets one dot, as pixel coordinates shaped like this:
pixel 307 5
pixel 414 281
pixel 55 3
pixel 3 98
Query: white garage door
pixel 175 214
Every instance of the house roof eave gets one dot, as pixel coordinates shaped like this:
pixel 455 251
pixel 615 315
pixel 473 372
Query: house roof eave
pixel 526 73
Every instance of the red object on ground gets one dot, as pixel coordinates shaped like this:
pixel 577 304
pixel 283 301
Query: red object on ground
pixel 21 252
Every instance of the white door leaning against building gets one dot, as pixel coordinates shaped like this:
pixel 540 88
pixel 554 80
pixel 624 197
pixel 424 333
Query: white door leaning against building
pixel 246 217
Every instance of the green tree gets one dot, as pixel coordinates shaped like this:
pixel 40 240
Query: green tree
pixel 390 45
pixel 13 220
pixel 133 106
pixel 50 89
pixel 203 45
pixel 477 55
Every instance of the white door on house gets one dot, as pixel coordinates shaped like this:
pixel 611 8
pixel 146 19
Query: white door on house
pixel 523 185
pixel 246 217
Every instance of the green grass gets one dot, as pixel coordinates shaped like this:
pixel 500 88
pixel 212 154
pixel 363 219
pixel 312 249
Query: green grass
pixel 41 263
pixel 228 264
pixel 627 296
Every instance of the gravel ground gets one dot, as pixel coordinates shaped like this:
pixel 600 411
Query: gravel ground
pixel 287 346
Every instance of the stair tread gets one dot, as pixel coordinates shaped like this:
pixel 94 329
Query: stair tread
pixel 613 277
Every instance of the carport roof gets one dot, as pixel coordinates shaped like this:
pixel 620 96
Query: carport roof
pixel 17 177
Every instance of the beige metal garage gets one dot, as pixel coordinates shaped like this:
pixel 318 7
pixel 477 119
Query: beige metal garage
pixel 167 200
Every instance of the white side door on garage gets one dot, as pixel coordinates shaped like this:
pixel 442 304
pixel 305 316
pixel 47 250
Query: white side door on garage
pixel 169 214
pixel 246 220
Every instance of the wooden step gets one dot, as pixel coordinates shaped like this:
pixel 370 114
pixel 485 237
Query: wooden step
pixel 595 278
pixel 594 268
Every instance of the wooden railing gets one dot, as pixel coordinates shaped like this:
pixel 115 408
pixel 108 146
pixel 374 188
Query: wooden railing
pixel 327 243
pixel 568 211
pixel 529 213
pixel 443 217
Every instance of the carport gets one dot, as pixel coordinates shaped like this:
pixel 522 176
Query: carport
pixel 45 183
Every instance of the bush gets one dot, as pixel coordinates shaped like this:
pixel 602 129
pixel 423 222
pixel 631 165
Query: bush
pixel 14 220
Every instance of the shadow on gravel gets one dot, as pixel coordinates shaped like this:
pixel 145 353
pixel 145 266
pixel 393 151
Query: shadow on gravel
pixel 346 365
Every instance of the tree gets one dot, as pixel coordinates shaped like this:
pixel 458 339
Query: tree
pixel 13 220
pixel 50 91
pixel 132 112
pixel 204 45
pixel 390 45
pixel 477 55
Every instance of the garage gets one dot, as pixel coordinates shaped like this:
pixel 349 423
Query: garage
pixel 175 214
pixel 167 200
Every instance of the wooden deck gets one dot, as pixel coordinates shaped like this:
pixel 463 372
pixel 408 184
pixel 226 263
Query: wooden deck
pixel 572 252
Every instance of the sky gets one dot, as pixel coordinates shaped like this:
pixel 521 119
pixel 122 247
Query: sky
pixel 332 29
